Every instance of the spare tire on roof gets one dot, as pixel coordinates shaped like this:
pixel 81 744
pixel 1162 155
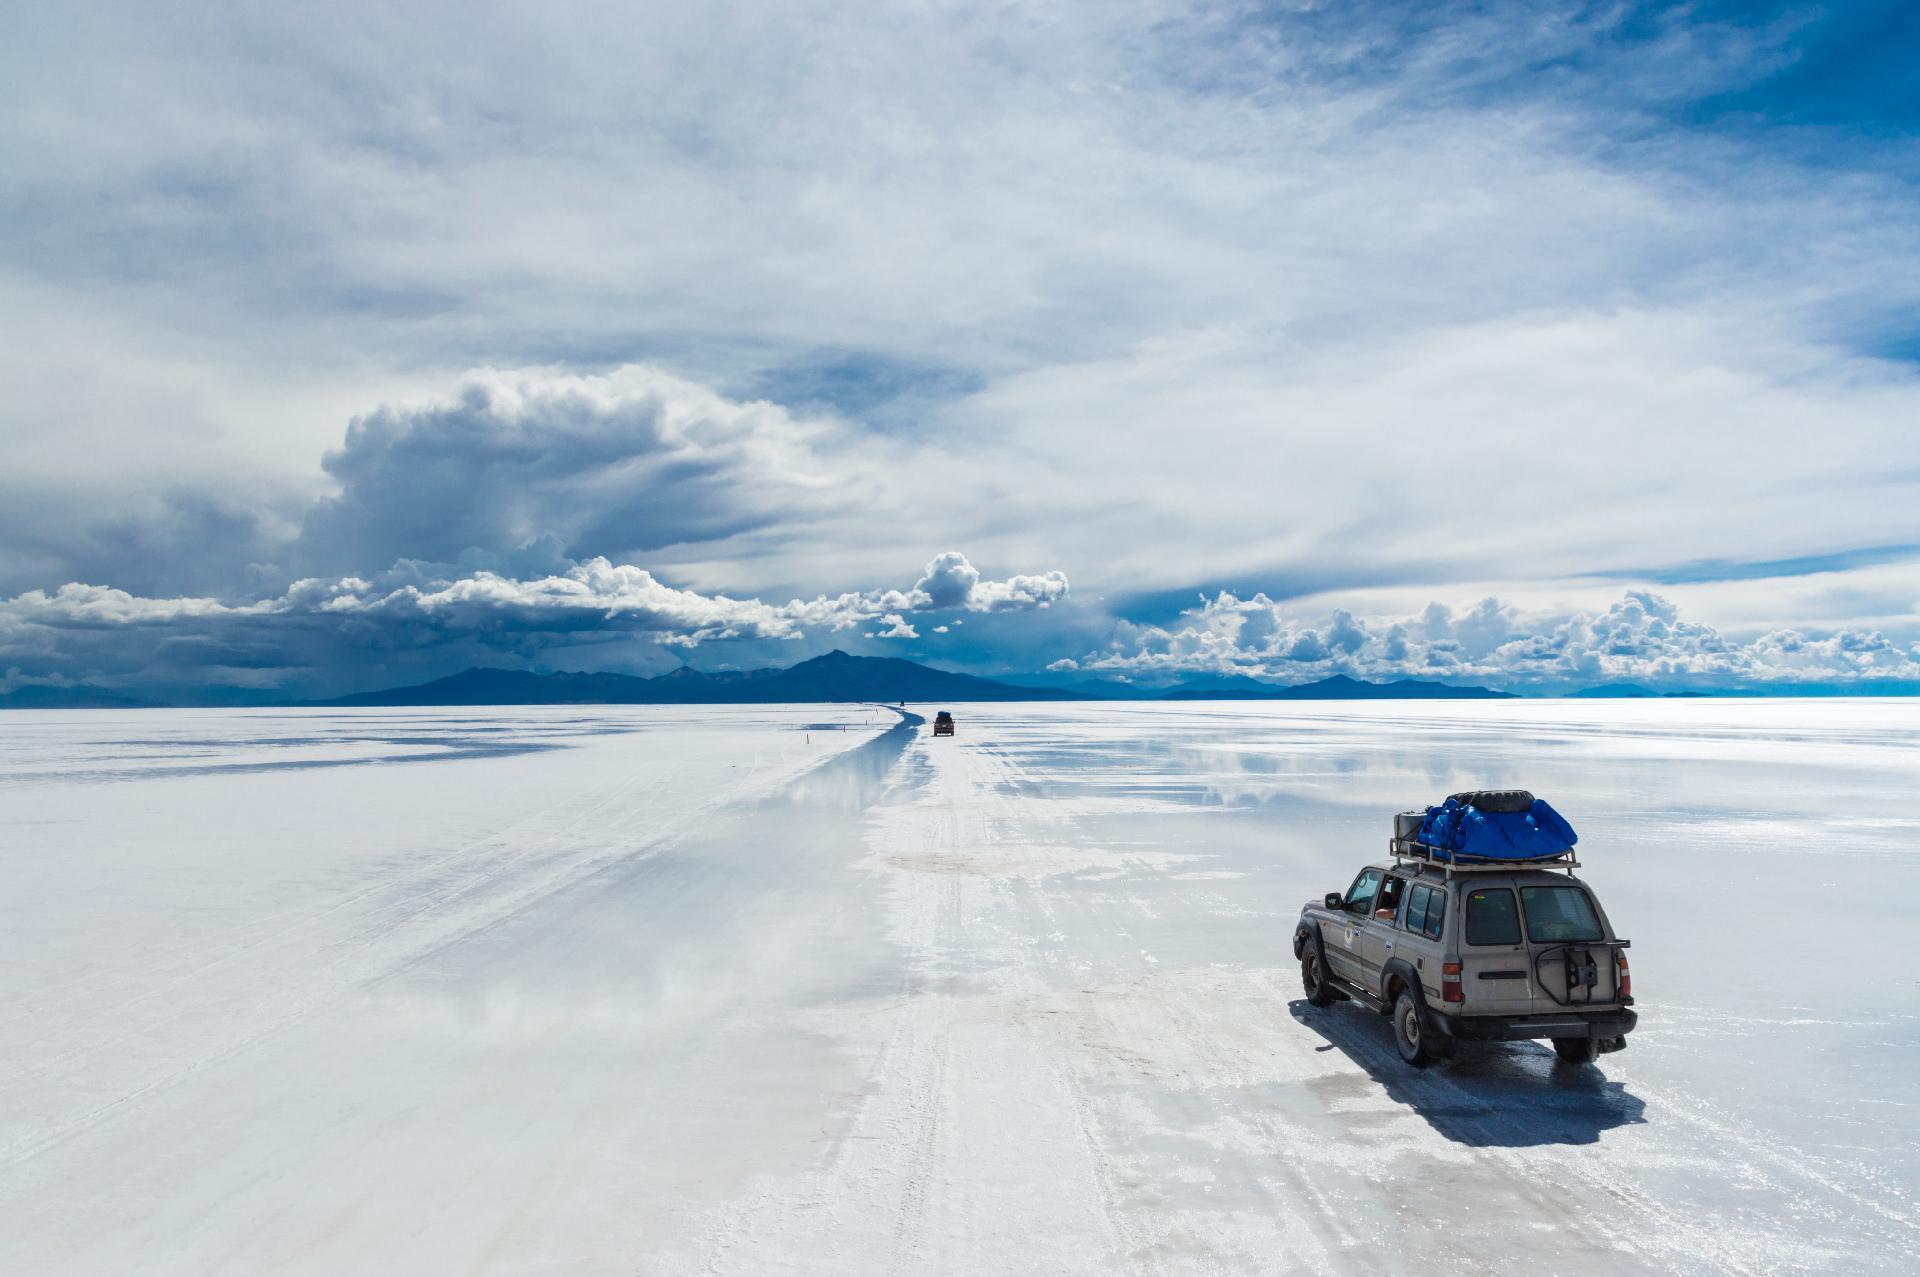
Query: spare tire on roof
pixel 1500 800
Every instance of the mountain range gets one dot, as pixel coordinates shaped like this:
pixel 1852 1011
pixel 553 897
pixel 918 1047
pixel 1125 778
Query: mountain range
pixel 839 676
pixel 836 676
pixel 1337 688
pixel 76 696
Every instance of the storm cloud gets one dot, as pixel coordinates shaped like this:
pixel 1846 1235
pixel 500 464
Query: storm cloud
pixel 614 465
pixel 90 632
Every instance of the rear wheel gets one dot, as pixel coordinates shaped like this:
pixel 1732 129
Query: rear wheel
pixel 1408 1033
pixel 1576 1050
pixel 1314 979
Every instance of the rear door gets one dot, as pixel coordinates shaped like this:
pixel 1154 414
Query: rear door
pixel 1571 962
pixel 1495 965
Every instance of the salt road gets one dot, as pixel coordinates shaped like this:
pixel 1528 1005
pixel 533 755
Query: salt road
pixel 804 990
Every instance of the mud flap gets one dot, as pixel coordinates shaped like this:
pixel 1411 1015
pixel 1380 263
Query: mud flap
pixel 1438 1028
pixel 1606 1046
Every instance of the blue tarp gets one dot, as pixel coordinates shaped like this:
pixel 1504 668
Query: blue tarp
pixel 1468 833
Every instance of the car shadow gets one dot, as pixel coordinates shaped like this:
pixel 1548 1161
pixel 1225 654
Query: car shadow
pixel 1490 1095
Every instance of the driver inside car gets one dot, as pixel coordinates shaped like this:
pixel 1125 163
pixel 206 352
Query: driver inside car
pixel 1386 906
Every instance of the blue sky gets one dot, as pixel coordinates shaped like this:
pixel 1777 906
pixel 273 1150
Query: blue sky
pixel 1524 344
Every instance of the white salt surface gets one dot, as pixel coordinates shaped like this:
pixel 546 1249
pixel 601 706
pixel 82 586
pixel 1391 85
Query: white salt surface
pixel 666 990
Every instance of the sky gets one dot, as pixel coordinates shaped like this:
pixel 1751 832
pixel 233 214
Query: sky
pixel 1534 345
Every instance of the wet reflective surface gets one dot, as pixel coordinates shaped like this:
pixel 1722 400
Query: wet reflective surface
pixel 1758 1120
pixel 752 989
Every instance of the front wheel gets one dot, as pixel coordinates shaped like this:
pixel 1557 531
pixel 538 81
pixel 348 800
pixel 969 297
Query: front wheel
pixel 1408 1033
pixel 1314 980
pixel 1576 1050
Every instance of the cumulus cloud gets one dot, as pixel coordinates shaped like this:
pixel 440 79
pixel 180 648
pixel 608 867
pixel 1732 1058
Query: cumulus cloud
pixel 612 465
pixel 1641 637
pixel 952 582
pixel 949 581
pixel 107 631
pixel 1018 593
pixel 1178 292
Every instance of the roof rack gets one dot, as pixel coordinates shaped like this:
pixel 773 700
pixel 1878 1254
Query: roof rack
pixel 1422 853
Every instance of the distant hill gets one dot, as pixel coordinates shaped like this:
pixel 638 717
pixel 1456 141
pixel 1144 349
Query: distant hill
pixel 511 687
pixel 81 696
pixel 1337 688
pixel 1614 691
pixel 1098 689
pixel 840 677
pixel 837 676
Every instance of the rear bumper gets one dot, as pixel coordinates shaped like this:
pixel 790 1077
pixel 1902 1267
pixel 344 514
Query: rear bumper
pixel 1516 1028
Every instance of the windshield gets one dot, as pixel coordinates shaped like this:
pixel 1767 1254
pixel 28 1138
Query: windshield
pixel 1557 914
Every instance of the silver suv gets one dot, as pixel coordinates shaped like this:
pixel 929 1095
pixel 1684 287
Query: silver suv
pixel 1471 952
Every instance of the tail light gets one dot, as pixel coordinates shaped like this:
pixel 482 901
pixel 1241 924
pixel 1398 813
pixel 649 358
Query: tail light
pixel 1623 977
pixel 1450 983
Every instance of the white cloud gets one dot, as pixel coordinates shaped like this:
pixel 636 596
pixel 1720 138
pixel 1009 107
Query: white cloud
pixel 114 628
pixel 1018 593
pixel 949 581
pixel 1640 637
pixel 1309 297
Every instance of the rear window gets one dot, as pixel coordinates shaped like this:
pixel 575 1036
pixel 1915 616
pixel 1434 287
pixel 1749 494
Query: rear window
pixel 1558 914
pixel 1492 917
pixel 1426 910
pixel 1416 917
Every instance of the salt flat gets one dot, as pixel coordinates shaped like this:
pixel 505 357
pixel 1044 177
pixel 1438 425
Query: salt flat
pixel 791 989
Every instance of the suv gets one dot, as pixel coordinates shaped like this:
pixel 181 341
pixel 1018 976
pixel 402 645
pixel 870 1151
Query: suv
pixel 943 724
pixel 1471 952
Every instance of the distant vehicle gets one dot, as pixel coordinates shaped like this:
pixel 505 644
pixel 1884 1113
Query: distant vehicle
pixel 943 724
pixel 1475 930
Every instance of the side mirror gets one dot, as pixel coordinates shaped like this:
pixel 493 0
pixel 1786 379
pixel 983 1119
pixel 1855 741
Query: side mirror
pixel 1333 901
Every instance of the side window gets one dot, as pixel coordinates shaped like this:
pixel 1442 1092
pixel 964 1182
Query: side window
pixel 1492 917
pixel 1360 894
pixel 1416 915
pixel 1392 891
pixel 1436 913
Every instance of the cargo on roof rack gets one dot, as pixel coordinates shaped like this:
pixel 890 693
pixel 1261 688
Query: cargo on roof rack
pixel 1406 849
pixel 1486 828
